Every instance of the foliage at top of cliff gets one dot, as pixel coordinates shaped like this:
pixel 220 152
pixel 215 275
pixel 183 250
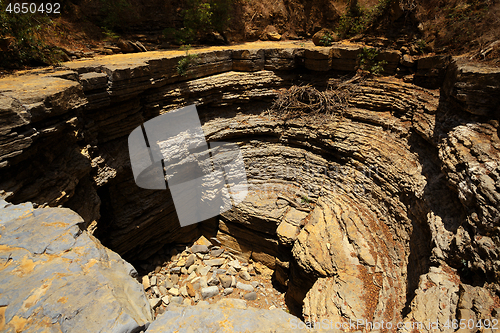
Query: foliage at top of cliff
pixel 440 26
pixel 20 38
pixel 461 26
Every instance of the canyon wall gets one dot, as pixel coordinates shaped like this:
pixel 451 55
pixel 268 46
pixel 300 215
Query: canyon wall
pixel 383 211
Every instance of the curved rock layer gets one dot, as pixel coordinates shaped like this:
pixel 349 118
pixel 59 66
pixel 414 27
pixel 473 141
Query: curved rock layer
pixel 371 213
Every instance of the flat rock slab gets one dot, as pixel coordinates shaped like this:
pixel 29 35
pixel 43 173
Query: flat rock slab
pixel 52 272
pixel 214 262
pixel 243 286
pixel 199 249
pixel 220 318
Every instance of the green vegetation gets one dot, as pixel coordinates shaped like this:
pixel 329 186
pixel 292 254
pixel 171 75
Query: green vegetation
pixel 185 62
pixel 109 34
pixel 368 62
pixel 421 44
pixel 326 40
pixel 465 270
pixel 305 200
pixel 20 40
pixel 357 19
pixel 200 17
pixel 113 12
pixel 352 22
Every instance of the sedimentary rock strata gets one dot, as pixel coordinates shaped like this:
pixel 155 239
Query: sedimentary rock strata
pixel 355 211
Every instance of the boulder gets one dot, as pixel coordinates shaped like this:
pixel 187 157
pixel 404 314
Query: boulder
pixel 325 37
pixel 52 272
pixel 270 33
pixel 407 60
pixel 126 46
pixel 287 233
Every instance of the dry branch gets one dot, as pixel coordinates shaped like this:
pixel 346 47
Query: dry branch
pixel 307 101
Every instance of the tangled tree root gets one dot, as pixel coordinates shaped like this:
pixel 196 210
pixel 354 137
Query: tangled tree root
pixel 307 101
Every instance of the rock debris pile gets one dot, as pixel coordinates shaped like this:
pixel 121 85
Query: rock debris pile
pixel 204 274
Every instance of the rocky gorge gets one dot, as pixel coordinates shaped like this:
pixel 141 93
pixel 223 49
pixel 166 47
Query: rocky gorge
pixel 384 211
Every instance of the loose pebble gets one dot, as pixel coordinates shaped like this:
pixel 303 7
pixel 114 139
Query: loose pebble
pixel 243 286
pixel 227 291
pixel 209 292
pixel 193 276
pixel 250 296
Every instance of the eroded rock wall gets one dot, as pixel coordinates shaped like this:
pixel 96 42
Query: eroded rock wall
pixel 350 210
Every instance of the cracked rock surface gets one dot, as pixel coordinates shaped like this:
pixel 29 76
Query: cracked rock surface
pixel 54 277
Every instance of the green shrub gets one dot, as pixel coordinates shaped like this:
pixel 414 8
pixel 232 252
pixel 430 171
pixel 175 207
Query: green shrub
pixel 422 45
pixel 113 12
pixel 367 61
pixel 357 19
pixel 200 17
pixel 326 40
pixel 21 35
pixel 184 63
pixel 221 14
pixel 109 34
pixel 352 22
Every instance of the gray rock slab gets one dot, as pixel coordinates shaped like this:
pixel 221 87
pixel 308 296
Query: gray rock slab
pixel 218 317
pixel 243 286
pixel 213 281
pixel 216 252
pixel 204 270
pixel 225 281
pixel 199 249
pixel 227 291
pixel 59 274
pixel 176 300
pixel 190 260
pixel 175 270
pixel 245 276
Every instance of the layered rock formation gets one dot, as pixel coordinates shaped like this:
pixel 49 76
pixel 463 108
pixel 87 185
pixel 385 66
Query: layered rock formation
pixel 355 212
